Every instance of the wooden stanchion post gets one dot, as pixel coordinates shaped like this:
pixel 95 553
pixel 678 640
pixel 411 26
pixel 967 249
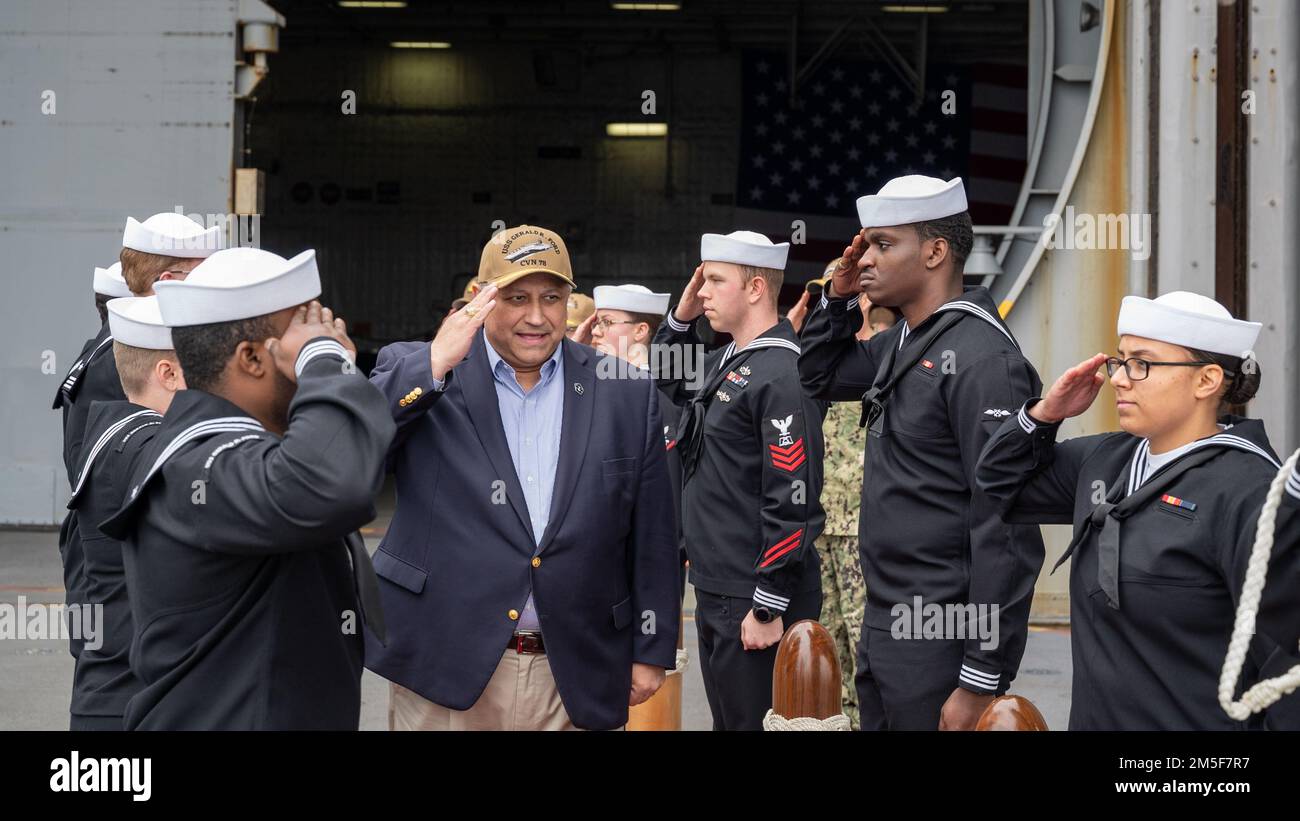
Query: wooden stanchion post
pixel 1015 713
pixel 806 675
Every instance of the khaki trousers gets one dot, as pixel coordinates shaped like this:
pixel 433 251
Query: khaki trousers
pixel 521 695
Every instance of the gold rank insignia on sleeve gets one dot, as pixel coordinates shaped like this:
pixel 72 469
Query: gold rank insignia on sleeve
pixel 410 398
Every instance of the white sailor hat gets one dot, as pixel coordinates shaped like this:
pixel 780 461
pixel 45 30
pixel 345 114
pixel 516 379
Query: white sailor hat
pixel 635 298
pixel 913 198
pixel 171 235
pixel 1188 319
pixel 136 321
pixel 744 248
pixel 238 283
pixel 109 281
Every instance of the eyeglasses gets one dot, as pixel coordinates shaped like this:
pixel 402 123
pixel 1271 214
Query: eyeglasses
pixel 1139 369
pixel 605 323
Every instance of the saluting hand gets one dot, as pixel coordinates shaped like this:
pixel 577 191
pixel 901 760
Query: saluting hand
pixel 457 332
pixel 582 333
pixel 1072 393
pixel 845 278
pixel 309 322
pixel 799 312
pixel 691 305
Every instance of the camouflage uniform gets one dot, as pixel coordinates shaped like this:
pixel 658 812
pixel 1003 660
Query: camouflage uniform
pixel 843 593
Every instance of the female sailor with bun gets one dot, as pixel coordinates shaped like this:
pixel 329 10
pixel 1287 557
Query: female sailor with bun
pixel 1164 513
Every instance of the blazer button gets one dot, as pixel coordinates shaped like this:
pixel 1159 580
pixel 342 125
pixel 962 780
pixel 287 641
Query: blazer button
pixel 402 403
pixel 418 391
pixel 514 615
pixel 537 562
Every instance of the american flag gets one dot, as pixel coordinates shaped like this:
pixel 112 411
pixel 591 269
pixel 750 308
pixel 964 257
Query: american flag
pixel 855 125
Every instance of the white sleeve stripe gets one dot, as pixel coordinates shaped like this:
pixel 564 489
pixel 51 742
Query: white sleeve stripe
pixel 824 303
pixel 325 347
pixel 771 600
pixel 989 679
pixel 853 303
pixel 321 343
pixel 1026 422
pixel 769 595
pixel 1293 484
pixel 679 327
pixel 963 678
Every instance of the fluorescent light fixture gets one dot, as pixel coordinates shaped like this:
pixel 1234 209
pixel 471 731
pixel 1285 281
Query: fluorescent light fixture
pixel 636 129
pixel 419 44
pixel 372 4
pixel 646 6
pixel 915 9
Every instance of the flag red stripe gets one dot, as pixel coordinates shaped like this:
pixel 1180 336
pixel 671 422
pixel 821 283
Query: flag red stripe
pixel 1001 74
pixel 1005 122
pixel 999 168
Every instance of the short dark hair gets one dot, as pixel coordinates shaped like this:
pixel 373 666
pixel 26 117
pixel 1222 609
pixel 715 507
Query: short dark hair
pixel 101 305
pixel 204 350
pixel 957 230
pixel 653 320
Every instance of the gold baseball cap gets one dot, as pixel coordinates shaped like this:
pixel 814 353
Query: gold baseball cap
pixel 514 253
pixel 580 306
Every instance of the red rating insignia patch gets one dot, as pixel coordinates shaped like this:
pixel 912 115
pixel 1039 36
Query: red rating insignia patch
pixel 782 547
pixel 788 458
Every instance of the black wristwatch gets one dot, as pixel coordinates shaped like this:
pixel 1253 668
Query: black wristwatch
pixel 763 614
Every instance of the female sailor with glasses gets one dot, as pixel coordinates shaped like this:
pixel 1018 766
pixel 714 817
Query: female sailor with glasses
pixel 1164 514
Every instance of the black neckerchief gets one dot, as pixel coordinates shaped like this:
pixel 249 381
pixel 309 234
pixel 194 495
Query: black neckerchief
pixel 1109 516
pixel 893 369
pixel 690 429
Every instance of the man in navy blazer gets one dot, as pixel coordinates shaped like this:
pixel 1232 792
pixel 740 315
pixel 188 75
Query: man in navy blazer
pixel 529 577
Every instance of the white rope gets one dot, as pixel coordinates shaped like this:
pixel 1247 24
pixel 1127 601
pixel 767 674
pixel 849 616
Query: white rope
pixel 1265 693
pixel 774 722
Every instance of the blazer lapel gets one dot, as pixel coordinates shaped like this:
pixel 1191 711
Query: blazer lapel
pixel 479 390
pixel 579 398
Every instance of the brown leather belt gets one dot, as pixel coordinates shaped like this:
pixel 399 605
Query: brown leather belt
pixel 526 643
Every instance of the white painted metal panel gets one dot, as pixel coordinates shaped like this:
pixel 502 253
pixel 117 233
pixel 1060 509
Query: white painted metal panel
pixel 1274 273
pixel 1186 162
pixel 141 123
